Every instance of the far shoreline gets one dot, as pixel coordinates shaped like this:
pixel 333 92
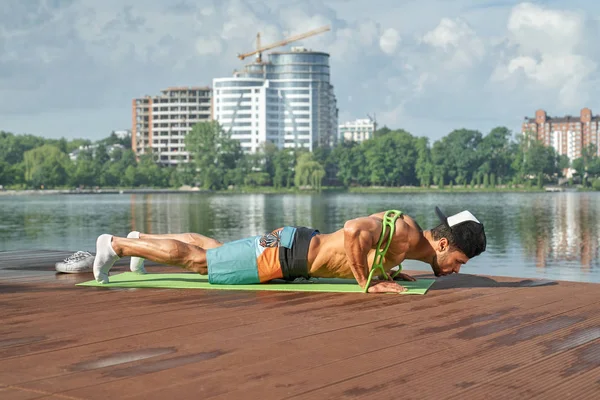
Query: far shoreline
pixel 272 190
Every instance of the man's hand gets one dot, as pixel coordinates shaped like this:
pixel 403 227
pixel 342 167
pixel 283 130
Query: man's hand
pixel 386 287
pixel 403 277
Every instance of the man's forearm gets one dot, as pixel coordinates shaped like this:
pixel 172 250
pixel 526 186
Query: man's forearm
pixel 357 244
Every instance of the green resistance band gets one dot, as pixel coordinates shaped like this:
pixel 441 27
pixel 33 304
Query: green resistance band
pixel 389 222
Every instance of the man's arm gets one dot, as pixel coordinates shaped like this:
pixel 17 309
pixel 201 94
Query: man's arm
pixel 360 236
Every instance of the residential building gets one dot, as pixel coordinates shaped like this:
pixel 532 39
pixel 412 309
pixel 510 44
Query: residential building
pixel 357 131
pixel 288 101
pixel 160 123
pixel 569 135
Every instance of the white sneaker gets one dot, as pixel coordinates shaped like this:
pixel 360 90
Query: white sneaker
pixel 78 263
pixel 136 264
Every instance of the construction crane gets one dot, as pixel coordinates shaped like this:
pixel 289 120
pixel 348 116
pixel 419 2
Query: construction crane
pixel 259 50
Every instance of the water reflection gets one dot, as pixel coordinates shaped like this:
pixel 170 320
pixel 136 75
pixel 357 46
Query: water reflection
pixel 550 235
pixel 561 228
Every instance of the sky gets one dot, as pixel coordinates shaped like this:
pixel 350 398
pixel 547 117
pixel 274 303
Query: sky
pixel 70 68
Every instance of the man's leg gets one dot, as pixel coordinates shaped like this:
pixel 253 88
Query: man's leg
pixel 164 251
pixel 137 263
pixel 191 238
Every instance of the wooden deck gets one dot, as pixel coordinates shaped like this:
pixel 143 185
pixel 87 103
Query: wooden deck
pixel 469 338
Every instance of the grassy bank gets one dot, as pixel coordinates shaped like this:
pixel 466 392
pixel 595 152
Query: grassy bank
pixel 294 190
pixel 446 189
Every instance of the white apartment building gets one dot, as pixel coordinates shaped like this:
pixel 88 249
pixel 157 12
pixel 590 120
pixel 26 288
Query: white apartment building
pixel 160 123
pixel 287 101
pixel 356 131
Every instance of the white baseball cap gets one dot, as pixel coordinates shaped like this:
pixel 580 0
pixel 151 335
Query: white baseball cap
pixel 456 219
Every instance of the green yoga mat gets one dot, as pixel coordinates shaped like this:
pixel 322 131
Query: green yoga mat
pixel 186 280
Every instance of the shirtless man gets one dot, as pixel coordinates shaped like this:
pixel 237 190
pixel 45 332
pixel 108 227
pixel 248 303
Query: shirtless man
pixel 292 252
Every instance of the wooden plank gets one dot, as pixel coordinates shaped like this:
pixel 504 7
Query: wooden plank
pixel 384 362
pixel 316 340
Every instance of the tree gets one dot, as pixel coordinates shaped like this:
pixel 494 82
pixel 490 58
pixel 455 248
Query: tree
pixel 85 171
pixel 588 165
pixel 391 159
pixel 539 160
pixel 423 165
pixel 563 162
pixel 113 139
pixel 101 157
pixel 349 159
pixel 46 166
pixel 309 172
pixel 384 130
pixel 257 179
pixel 494 152
pixel 284 161
pixel 129 179
pixel 5 178
pixel 13 147
pixel 457 156
pixel 149 173
pixel 77 143
pixel 213 153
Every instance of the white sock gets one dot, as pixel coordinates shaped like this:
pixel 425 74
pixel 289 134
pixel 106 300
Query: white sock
pixel 137 263
pixel 105 258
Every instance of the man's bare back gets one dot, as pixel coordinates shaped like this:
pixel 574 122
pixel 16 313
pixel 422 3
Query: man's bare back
pixel 291 252
pixel 328 253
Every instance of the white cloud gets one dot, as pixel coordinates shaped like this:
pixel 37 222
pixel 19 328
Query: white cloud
pixel 389 40
pixel 458 41
pixel 537 29
pixel 548 53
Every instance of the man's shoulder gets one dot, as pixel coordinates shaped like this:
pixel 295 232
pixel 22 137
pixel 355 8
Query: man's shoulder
pixel 408 228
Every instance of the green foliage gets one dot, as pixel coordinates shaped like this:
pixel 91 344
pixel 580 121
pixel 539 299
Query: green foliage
pixel 76 144
pixel 13 147
pixel 283 176
pixel 114 139
pixel 392 158
pixel 46 166
pixel 456 154
pixel 214 154
pixel 423 166
pixel 257 179
pixel 309 172
pixel 384 130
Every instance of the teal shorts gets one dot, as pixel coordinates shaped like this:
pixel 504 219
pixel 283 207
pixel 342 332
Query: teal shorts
pixel 234 263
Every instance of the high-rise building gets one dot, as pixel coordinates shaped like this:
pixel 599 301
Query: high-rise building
pixel 357 131
pixel 288 101
pixel 160 123
pixel 568 135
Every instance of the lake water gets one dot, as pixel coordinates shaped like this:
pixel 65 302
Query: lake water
pixel 535 235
